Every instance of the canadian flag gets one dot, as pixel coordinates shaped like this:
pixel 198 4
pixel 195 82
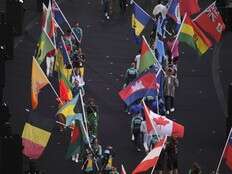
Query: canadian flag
pixel 149 122
pixel 211 21
pixel 166 127
pixel 123 171
pixel 151 159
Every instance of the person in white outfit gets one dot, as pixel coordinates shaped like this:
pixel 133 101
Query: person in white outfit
pixel 50 58
pixel 160 9
pixel 143 129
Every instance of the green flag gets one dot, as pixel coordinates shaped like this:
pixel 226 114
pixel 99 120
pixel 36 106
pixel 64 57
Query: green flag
pixel 77 139
pixel 147 57
pixel 44 46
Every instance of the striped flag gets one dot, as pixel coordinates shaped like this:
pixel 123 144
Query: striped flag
pixel 36 134
pixel 151 159
pixel 149 121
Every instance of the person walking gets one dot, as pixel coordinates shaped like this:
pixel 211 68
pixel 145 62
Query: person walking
pixel 135 130
pixel 170 84
pixel 131 74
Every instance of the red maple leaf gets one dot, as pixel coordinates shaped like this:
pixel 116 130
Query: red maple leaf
pixel 161 121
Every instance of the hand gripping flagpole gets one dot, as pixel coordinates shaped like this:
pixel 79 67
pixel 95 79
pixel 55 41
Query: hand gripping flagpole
pixel 220 161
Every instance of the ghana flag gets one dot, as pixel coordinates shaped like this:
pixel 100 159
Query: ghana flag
pixel 191 34
pixel 36 134
pixel 147 57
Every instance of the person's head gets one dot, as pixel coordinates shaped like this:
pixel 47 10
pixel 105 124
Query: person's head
pixel 77 24
pixel 68 32
pixel 132 65
pixel 169 71
pixel 195 169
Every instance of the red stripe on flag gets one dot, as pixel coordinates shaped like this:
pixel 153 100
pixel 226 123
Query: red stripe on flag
pixel 177 130
pixel 32 150
pixel 228 156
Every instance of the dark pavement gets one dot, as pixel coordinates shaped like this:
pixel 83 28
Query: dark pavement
pixel 110 49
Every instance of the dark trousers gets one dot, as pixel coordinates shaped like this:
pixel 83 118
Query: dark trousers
pixel 106 6
pixel 137 140
pixel 169 102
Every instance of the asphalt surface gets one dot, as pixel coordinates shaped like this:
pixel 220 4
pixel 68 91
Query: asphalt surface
pixel 109 50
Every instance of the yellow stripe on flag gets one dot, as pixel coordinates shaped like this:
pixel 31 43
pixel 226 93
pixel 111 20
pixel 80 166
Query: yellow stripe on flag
pixel 187 29
pixel 137 26
pixel 36 135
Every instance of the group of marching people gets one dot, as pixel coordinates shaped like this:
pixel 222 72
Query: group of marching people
pixel 93 158
pixel 163 104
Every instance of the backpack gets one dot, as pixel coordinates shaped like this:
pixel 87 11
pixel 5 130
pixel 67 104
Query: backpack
pixel 137 123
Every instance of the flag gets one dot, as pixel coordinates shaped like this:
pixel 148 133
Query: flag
pixel 64 52
pixel 38 81
pixel 189 6
pixel 147 57
pixel 68 109
pixel 43 16
pixel 228 151
pixel 65 86
pixel 77 139
pixel 123 171
pixel 160 49
pixel 139 88
pixel 149 122
pixel 151 159
pixel 174 11
pixel 166 127
pixel 71 119
pixel 44 46
pixel 58 15
pixel 139 19
pixel 49 25
pixel 211 22
pixel 36 134
pixel 193 36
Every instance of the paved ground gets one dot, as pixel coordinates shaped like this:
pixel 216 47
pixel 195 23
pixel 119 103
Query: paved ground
pixel 109 50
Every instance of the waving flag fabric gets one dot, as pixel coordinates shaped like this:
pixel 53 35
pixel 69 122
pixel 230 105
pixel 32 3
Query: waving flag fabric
pixel 141 87
pixel 139 19
pixel 149 122
pixel 147 58
pixel 192 35
pixel 151 159
pixel 38 81
pixel 36 134
pixel 189 6
pixel 211 22
pixel 166 127
pixel 228 151
pixel 174 11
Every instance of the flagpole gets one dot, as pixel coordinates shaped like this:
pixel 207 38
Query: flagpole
pixel 48 81
pixel 62 40
pixel 219 163
pixel 178 32
pixel 203 11
pixel 83 110
pixel 66 21
pixel 153 54
pixel 145 107
pixel 165 139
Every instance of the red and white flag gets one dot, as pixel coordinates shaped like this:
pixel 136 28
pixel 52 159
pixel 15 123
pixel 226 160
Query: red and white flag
pixel 123 171
pixel 167 127
pixel 211 22
pixel 151 159
pixel 149 122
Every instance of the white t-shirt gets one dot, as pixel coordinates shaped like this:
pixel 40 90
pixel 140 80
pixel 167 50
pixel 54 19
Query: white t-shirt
pixel 79 79
pixel 160 8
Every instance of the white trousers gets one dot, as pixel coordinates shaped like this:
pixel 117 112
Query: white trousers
pixel 49 65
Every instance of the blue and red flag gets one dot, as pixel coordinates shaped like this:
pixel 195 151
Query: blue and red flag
pixel 228 151
pixel 64 51
pixel 143 86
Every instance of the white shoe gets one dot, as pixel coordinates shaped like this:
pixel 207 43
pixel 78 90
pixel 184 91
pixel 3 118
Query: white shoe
pixel 167 112
pixel 172 109
pixel 107 17
pixel 132 137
